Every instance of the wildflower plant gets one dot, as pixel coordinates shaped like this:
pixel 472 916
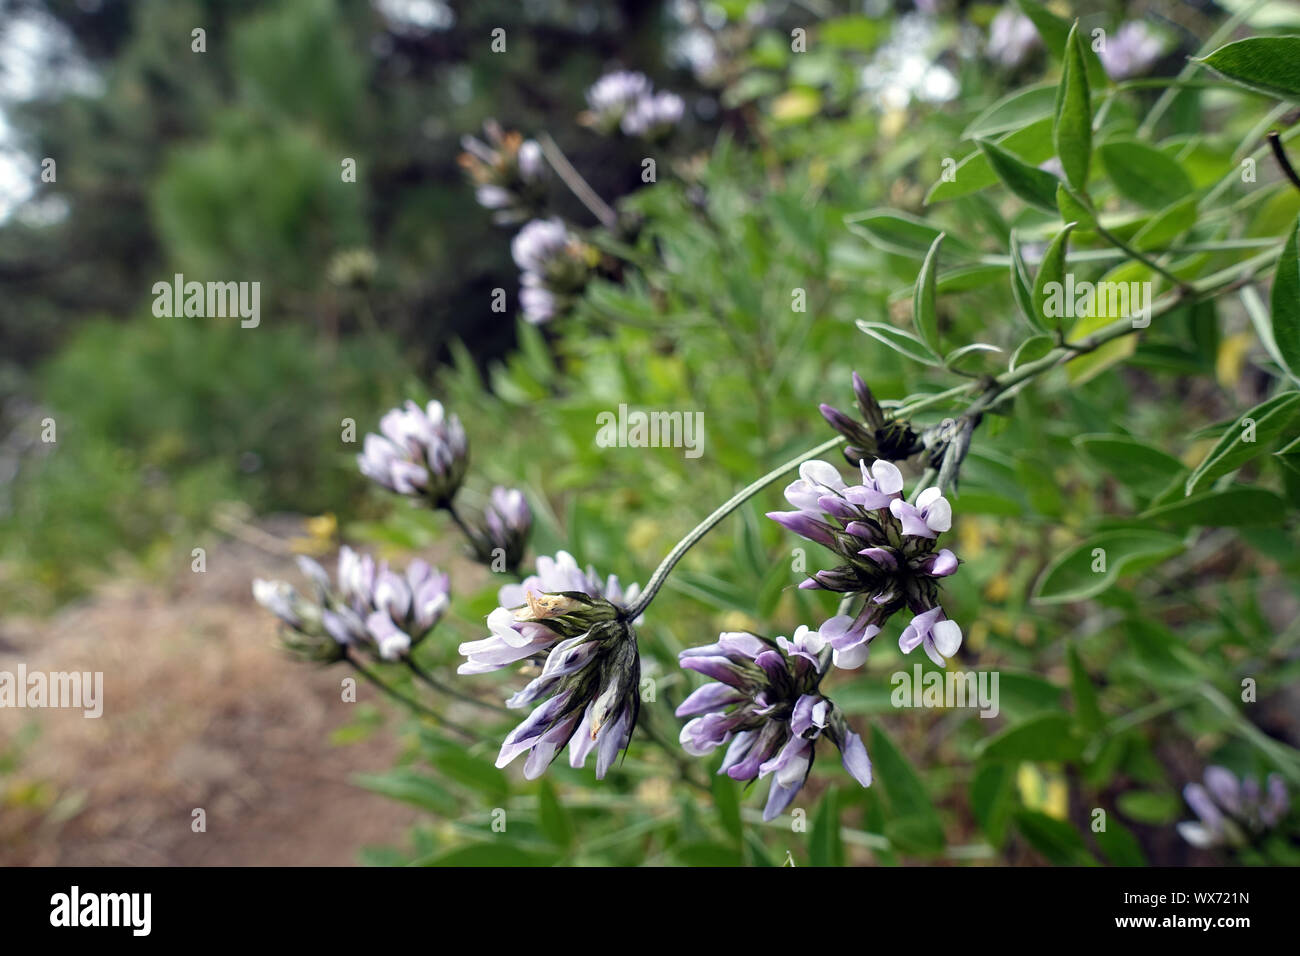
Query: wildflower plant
pixel 987 422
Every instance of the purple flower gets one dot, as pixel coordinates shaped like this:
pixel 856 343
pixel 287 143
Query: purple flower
pixel 372 606
pixel 1011 36
pixel 590 683
pixel 928 518
pixel 763 704
pixel 611 96
pixel 888 547
pixel 508 172
pixel 507 523
pixel 653 116
pixel 875 436
pixel 1230 811
pixel 422 452
pixel 940 637
pixel 542 609
pixel 1131 51
pixel 555 267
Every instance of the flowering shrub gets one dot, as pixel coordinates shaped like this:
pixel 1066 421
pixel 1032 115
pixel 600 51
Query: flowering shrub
pixel 1066 298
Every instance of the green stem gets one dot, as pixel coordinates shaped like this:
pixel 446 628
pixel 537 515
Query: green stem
pixel 704 527
pixel 577 185
pixel 423 675
pixel 412 705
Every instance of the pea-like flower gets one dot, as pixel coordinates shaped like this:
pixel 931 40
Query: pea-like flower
pixel 508 171
pixel 421 452
pixel 371 607
pixel 1011 36
pixel 1131 50
pixel 1232 811
pixel 537 612
pixel 875 436
pixel 507 523
pixel 654 116
pixel 591 685
pixel 888 547
pixel 555 266
pixel 764 705
pixel 611 96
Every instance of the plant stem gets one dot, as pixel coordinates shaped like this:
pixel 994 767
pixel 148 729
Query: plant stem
pixel 577 185
pixel 707 525
pixel 412 705
pixel 433 682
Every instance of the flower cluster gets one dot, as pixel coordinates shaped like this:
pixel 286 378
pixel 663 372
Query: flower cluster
pixel 507 522
pixel 372 607
pixel 1131 51
pixel 888 546
pixel 763 703
pixel 875 436
pixel 1232 812
pixel 1011 36
pixel 508 171
pixel 530 618
pixel 626 100
pixel 590 680
pixel 422 453
pixel 555 266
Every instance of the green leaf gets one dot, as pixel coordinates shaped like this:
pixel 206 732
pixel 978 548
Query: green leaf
pixel 1086 711
pixel 1268 65
pixel 489 854
pixel 825 846
pixel 1144 175
pixel 1073 207
pixel 1035 186
pixel 1057 840
pixel 925 316
pixel 726 800
pixel 896 232
pixel 1033 144
pixel 1148 806
pixel 902 342
pixel 552 816
pixel 1072 130
pixel 1052 269
pixel 1285 302
pixel 992 798
pixel 1167 225
pixel 1261 425
pixel 472 772
pixel 1081 573
pixel 1046 737
pixel 1119 845
pixel 410 787
pixel 954 358
pixel 913 822
pixel 1014 111
pixel 1054 30
pixel 709 854
pixel 1235 507
pixel 1135 463
pixel 1022 286
pixel 1032 349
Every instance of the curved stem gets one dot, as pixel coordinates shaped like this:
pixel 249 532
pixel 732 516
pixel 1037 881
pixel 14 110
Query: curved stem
pixel 433 682
pixel 704 527
pixel 412 705
pixel 577 185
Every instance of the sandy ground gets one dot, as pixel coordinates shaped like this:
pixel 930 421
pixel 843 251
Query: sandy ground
pixel 202 710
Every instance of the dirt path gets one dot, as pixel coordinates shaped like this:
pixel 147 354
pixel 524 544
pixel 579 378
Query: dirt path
pixel 201 709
